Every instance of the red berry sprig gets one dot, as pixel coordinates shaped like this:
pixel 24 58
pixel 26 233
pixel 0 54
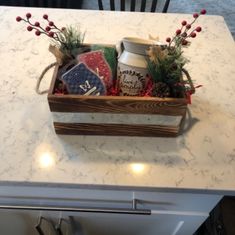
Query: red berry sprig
pixel 203 12
pixel 182 34
pixel 188 26
pixel 198 29
pixel 51 30
pixel 184 22
pixel 18 18
pixel 178 32
pixel 45 16
pixel 29 28
pixel 28 15
pixel 37 24
pixel 193 35
pixel 168 40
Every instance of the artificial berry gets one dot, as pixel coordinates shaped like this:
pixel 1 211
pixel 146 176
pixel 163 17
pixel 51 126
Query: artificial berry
pixel 203 11
pixel 195 15
pixel 45 16
pixel 28 15
pixel 168 39
pixel 178 31
pixel 188 26
pixel 18 18
pixel 184 42
pixel 51 34
pixel 29 28
pixel 37 32
pixel 184 35
pixel 198 29
pixel 48 28
pixel 51 23
pixel 193 35
pixel 37 24
pixel 184 22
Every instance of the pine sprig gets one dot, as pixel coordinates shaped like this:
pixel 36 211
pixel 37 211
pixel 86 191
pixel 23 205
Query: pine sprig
pixel 165 63
pixel 72 40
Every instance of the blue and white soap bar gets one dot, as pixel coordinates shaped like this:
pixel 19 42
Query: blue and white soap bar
pixel 80 80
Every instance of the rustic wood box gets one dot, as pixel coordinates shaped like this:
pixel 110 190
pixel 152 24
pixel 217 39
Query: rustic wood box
pixel 65 104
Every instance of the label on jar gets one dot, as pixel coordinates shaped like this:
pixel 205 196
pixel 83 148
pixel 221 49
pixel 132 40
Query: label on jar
pixel 131 81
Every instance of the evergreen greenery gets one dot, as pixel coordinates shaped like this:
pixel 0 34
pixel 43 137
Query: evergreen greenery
pixel 166 63
pixel 168 68
pixel 70 40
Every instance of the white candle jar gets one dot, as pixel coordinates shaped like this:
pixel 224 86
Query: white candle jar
pixel 132 72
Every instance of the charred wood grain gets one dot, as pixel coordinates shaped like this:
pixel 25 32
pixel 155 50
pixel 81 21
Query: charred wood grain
pixel 115 129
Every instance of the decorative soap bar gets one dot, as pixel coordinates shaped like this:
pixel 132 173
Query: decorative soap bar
pixel 96 61
pixel 110 55
pixel 81 80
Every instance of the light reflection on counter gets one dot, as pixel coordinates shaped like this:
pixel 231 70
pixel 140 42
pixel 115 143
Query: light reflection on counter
pixel 138 168
pixel 45 157
pixel 46 160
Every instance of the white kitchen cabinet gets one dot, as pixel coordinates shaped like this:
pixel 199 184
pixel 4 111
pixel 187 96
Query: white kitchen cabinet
pixel 14 222
pixel 160 222
pixel 171 213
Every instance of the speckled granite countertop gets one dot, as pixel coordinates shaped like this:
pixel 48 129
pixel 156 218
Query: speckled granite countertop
pixel 30 151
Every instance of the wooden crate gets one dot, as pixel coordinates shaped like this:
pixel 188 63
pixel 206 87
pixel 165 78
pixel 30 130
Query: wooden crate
pixel 116 105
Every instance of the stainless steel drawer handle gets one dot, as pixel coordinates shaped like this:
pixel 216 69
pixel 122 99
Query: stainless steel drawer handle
pixel 57 227
pixel 38 226
pixel 133 210
pixel 59 224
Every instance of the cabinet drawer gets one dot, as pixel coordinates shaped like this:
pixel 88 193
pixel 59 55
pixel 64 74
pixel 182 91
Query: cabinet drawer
pixel 158 223
pixel 98 224
pixel 109 197
pixel 171 213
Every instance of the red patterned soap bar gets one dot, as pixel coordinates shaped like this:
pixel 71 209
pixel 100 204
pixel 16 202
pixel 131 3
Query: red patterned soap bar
pixel 96 61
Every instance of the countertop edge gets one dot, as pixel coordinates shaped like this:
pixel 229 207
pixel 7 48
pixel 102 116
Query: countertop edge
pixel 113 187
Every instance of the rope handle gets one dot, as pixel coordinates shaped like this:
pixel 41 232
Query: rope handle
pixel 42 76
pixel 192 88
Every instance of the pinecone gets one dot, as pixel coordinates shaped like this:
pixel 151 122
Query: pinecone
pixel 161 89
